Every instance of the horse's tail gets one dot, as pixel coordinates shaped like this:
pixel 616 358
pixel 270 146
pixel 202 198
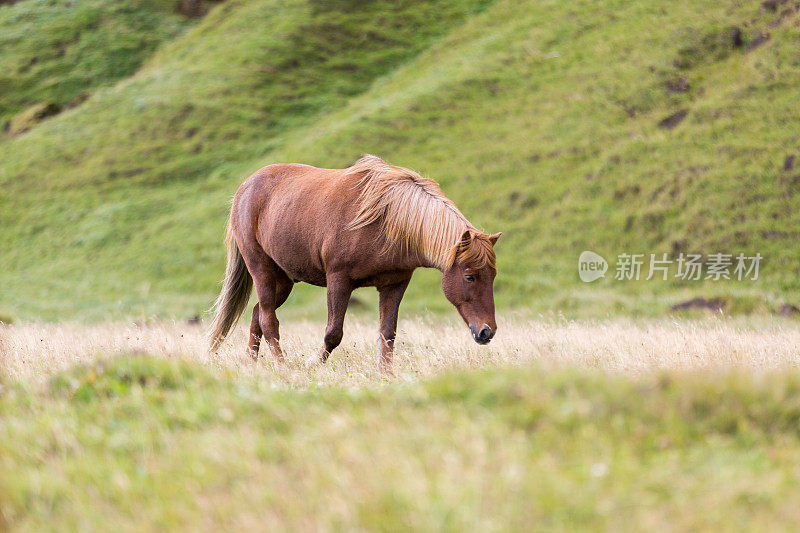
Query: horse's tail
pixel 236 288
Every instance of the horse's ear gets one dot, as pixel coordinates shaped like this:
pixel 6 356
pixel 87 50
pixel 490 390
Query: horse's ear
pixel 466 239
pixel 494 237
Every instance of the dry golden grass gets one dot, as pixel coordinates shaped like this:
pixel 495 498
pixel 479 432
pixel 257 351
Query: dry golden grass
pixel 32 352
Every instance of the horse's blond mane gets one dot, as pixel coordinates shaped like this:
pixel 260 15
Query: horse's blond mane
pixel 415 213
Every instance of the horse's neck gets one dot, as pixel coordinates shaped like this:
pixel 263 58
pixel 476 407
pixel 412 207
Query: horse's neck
pixel 411 259
pixel 423 262
pixel 396 255
pixel 428 256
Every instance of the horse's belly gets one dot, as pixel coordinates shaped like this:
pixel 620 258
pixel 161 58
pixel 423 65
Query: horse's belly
pixel 296 260
pixel 301 272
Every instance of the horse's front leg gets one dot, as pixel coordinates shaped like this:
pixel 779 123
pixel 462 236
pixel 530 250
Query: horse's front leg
pixel 339 290
pixel 389 306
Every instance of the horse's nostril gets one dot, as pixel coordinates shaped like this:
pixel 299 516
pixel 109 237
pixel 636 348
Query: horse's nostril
pixel 485 334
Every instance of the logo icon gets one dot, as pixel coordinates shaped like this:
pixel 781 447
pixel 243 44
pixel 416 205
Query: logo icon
pixel 591 266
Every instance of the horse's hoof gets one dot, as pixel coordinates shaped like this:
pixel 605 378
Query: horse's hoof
pixel 313 362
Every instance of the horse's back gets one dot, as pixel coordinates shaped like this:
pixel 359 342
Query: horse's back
pixel 293 212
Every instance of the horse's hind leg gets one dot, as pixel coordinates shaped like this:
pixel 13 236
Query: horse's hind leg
pixel 270 281
pixel 273 287
pixel 255 333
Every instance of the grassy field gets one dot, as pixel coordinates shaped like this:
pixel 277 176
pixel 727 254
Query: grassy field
pixel 612 126
pixel 540 119
pixel 559 425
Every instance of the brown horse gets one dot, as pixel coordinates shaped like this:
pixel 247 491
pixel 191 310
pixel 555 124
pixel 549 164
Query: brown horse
pixel 368 225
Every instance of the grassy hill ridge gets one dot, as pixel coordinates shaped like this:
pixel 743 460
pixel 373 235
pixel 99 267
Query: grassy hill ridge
pixel 539 120
pixel 53 55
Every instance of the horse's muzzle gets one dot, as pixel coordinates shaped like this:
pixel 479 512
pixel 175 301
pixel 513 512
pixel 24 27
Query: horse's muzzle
pixel 482 336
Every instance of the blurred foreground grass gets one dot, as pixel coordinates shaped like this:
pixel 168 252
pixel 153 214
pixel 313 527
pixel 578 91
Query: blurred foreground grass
pixel 515 439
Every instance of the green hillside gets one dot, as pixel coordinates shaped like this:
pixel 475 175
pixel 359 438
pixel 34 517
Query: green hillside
pixel 54 54
pixel 540 120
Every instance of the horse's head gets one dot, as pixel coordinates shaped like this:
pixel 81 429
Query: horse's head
pixel 468 283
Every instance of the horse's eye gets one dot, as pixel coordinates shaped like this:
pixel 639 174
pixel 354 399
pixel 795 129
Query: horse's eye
pixel 469 278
